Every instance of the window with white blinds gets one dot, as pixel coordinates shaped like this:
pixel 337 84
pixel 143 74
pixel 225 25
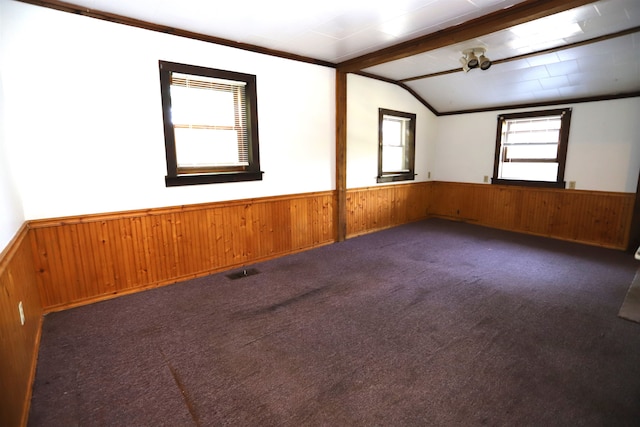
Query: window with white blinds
pixel 531 147
pixel 210 125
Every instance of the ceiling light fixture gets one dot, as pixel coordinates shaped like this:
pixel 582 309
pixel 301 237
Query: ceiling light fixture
pixel 474 58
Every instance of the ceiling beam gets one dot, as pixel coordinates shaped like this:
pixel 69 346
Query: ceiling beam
pixel 496 21
pixel 548 103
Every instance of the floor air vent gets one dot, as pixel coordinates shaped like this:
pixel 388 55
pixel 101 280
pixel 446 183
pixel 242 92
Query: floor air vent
pixel 242 273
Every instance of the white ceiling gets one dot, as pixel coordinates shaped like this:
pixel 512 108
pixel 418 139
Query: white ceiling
pixel 330 30
pixel 335 31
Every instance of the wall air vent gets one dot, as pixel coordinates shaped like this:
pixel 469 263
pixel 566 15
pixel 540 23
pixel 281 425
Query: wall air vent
pixel 242 273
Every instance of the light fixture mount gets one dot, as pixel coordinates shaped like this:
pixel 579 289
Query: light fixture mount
pixel 475 58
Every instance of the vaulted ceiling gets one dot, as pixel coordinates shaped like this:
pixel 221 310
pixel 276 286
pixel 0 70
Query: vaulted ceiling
pixel 542 51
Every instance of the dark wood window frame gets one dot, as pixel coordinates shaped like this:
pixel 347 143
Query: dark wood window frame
pixel 177 177
pixel 561 158
pixel 410 139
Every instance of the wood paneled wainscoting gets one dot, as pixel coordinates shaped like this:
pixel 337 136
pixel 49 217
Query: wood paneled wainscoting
pixel 89 258
pixel 375 208
pixel 591 217
pixel 18 342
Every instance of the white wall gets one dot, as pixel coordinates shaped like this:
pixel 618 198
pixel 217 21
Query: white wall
pixel 603 152
pixel 11 214
pixel 84 121
pixel 604 145
pixel 81 124
pixel 465 146
pixel 364 97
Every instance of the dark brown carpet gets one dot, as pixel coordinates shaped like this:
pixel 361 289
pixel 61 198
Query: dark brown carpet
pixel 431 323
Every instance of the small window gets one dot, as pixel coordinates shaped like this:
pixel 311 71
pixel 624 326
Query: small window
pixel 396 145
pixel 210 125
pixel 531 148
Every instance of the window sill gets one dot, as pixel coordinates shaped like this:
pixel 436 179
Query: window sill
pixel 523 183
pixel 396 177
pixel 214 178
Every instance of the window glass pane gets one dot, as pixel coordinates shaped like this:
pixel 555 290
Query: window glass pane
pixel 201 107
pixel 394 131
pixel 393 159
pixel 207 147
pixel 529 171
pixel 532 152
pixel 527 125
pixel 539 136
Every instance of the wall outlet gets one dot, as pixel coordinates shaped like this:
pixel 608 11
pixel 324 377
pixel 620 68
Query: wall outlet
pixel 21 311
pixel 429 175
pixel 486 178
pixel 572 185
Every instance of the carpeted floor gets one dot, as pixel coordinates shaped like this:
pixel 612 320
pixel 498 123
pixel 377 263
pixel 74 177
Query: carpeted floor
pixel 432 323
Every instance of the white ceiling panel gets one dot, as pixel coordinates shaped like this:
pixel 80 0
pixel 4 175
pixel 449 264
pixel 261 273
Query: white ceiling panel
pixel 554 83
pixel 595 69
pixel 594 72
pixel 563 68
pixel 548 59
pixel 357 24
